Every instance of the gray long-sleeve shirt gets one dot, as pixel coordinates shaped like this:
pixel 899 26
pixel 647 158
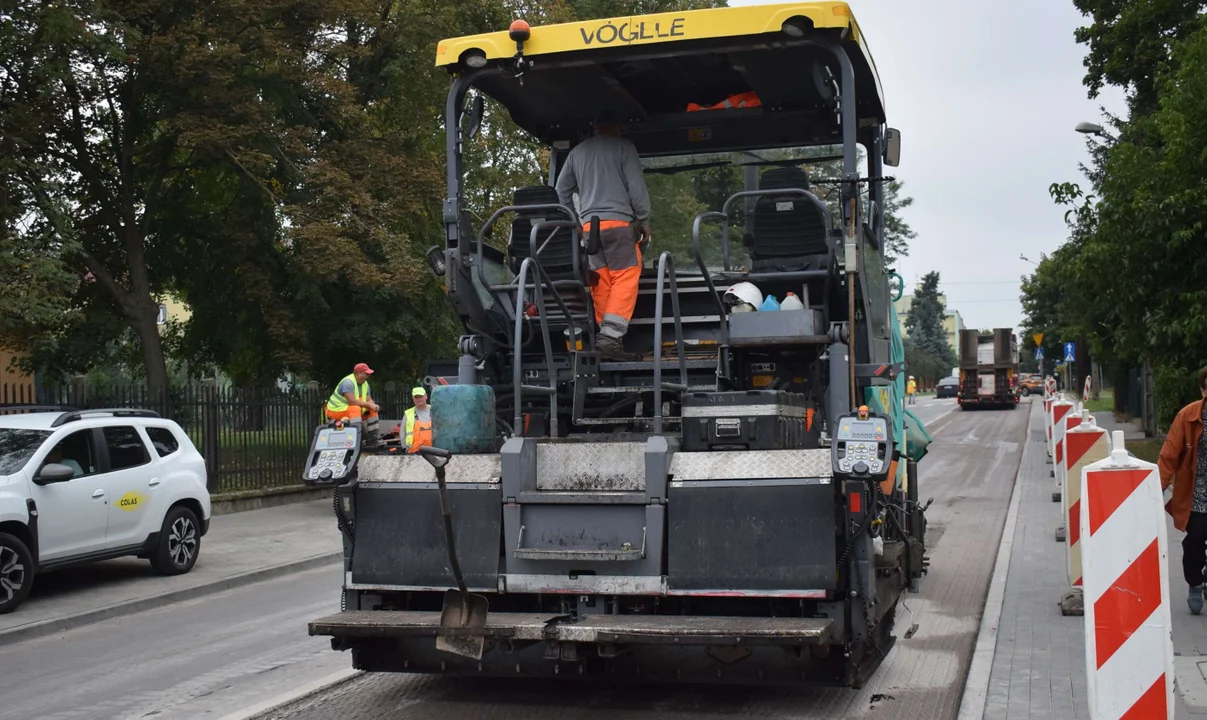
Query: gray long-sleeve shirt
pixel 605 171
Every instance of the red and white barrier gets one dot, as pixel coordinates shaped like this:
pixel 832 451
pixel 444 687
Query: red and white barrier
pixel 1061 410
pixel 1129 646
pixel 1084 444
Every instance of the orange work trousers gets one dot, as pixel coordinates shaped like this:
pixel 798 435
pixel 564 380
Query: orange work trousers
pixel 617 268
pixel 350 413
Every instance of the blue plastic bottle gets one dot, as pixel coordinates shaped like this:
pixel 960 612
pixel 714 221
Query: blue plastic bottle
pixel 770 303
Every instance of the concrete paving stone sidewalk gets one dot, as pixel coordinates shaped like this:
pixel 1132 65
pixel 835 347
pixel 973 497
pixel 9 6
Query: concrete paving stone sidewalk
pixel 1038 668
pixel 240 548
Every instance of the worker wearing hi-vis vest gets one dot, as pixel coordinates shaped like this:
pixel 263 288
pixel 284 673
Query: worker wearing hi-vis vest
pixel 605 172
pixel 418 422
pixel 911 390
pixel 350 401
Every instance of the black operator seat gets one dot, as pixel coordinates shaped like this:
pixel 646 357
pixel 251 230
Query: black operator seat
pixel 557 258
pixel 789 232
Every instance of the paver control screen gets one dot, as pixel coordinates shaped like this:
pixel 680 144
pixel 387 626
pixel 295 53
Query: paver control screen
pixel 865 441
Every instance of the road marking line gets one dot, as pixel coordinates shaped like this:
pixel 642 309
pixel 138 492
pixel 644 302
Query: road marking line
pixel 311 688
pixel 976 687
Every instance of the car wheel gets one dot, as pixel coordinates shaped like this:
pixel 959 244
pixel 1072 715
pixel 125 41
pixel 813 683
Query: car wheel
pixel 179 542
pixel 16 572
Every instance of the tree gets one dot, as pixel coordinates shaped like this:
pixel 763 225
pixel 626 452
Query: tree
pixel 256 157
pixel 1130 44
pixel 923 364
pixel 925 321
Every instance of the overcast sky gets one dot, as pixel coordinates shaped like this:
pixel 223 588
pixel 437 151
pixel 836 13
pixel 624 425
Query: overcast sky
pixel 986 95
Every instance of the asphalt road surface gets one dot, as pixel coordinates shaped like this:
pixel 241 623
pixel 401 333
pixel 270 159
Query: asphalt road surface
pixel 969 472
pixel 202 658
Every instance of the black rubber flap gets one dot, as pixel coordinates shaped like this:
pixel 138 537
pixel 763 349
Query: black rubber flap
pixel 400 536
pixel 773 536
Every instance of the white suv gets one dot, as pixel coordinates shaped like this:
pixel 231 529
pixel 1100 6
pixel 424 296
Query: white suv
pixel 80 486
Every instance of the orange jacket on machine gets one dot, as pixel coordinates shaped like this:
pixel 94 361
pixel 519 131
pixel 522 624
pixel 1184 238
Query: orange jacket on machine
pixel 741 100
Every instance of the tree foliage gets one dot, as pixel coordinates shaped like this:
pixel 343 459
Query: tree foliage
pixel 925 322
pixel 1129 278
pixel 278 165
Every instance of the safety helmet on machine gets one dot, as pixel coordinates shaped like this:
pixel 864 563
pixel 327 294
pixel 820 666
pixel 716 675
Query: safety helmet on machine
pixel 742 294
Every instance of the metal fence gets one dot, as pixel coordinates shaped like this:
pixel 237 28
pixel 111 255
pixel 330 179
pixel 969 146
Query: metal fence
pixel 251 438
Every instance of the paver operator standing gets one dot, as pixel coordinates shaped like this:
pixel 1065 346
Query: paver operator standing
pixel 605 171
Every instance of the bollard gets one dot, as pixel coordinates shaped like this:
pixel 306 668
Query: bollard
pixel 1048 402
pixel 1129 646
pixel 1072 420
pixel 1060 410
pixel 1085 444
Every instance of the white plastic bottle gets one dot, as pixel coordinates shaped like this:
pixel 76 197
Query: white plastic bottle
pixel 792 302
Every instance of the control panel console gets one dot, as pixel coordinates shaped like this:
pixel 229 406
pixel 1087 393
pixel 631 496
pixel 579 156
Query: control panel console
pixel 333 455
pixel 862 446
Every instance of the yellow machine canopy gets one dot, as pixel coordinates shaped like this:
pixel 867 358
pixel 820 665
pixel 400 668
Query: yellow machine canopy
pixel 684 81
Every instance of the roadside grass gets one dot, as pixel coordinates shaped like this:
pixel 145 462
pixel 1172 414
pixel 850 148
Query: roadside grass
pixel 1104 403
pixel 1147 449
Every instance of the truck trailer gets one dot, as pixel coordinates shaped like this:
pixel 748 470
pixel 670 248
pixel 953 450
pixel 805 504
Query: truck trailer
pixel 989 369
pixel 739 500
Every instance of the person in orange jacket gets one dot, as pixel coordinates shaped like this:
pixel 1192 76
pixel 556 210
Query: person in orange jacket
pixel 1183 465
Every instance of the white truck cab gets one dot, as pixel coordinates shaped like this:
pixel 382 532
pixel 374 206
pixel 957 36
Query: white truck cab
pixel 81 486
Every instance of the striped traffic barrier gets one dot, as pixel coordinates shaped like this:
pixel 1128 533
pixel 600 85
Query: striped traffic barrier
pixel 1060 410
pixel 1084 444
pixel 1129 645
pixel 1072 420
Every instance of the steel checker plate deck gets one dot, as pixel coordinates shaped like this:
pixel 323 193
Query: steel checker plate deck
pixel 601 467
pixel 414 469
pixel 592 628
pixel 751 465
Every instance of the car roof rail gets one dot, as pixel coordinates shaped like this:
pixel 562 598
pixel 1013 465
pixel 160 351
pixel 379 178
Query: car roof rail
pixel 76 415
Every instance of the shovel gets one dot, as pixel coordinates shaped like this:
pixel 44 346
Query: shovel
pixel 463 613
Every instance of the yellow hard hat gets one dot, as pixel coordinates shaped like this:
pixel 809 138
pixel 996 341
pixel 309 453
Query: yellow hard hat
pixel 418 391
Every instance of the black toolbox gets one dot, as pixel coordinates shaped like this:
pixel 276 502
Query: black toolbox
pixel 749 420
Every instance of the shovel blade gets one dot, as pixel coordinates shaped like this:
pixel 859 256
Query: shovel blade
pixel 462 612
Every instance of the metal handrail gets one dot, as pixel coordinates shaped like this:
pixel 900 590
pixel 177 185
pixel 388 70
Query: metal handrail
pixel 701 218
pixel 517 369
pixel 480 253
pixel 667 260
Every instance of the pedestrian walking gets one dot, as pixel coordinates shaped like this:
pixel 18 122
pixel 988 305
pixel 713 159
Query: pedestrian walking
pixel 911 390
pixel 1183 465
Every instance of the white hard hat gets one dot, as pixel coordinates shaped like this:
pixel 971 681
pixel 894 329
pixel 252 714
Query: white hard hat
pixel 911 377
pixel 744 292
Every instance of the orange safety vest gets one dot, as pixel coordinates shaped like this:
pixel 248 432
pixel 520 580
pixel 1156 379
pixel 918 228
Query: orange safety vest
pixel 418 432
pixel 741 100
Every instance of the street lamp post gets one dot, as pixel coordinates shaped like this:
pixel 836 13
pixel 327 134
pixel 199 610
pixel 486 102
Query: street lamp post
pixel 1088 128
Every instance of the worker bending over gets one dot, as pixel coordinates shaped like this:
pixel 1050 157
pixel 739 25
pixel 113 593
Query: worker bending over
pixel 605 171
pixel 352 402
pixel 418 422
